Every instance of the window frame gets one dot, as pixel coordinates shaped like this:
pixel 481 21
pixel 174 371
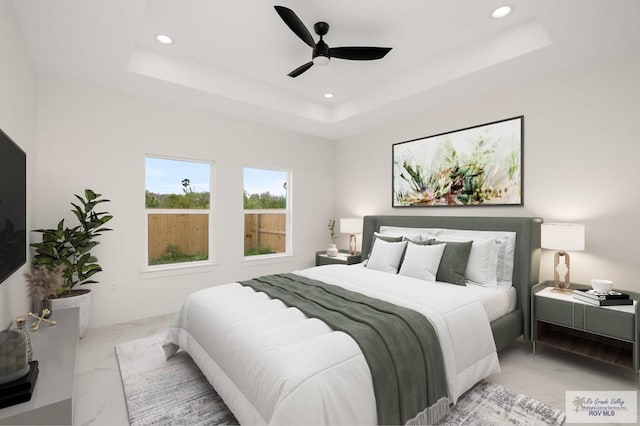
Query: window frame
pixel 210 212
pixel 288 212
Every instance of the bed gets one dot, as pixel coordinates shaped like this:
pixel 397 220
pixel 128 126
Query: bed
pixel 272 364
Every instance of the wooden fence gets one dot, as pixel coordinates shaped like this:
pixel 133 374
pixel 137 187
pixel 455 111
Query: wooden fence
pixel 189 232
pixel 265 231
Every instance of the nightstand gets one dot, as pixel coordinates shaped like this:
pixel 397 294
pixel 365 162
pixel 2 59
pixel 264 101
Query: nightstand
pixel 605 333
pixel 343 258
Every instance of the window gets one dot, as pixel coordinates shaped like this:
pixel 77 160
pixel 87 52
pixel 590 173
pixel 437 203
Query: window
pixel 266 212
pixel 178 209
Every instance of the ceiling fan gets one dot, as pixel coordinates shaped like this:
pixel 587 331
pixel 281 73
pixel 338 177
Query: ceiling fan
pixel 322 53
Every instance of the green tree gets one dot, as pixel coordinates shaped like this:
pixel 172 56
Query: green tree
pixel 189 199
pixel 151 200
pixel 266 200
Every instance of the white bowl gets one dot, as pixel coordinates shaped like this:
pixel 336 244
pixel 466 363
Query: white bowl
pixel 602 286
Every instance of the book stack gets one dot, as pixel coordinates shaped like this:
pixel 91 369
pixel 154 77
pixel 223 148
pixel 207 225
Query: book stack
pixel 612 298
pixel 19 390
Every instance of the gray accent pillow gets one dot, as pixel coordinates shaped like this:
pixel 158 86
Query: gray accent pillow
pixel 453 264
pixel 387 238
pixel 421 242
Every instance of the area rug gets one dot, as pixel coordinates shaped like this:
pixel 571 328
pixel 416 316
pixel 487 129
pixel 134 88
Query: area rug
pixel 175 392
pixel 167 392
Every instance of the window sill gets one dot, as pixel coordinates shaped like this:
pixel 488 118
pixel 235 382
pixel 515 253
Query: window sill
pixel 267 259
pixel 176 270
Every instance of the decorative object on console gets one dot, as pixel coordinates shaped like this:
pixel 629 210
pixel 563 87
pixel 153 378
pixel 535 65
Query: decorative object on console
pixel 18 370
pixel 332 250
pixel 19 390
pixel 14 354
pixel 601 285
pixel 42 317
pixel 20 323
pixel 71 247
pixel 351 226
pixel 562 237
pixel 609 298
pixel 476 166
pixel 52 401
pixel 43 283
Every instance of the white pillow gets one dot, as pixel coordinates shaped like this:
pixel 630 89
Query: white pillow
pixel 422 261
pixel 506 252
pixel 482 263
pixel 386 256
pixel 385 237
pixel 506 241
pixel 483 259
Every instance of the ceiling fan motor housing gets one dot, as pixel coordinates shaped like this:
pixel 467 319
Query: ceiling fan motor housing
pixel 320 55
pixel 321 28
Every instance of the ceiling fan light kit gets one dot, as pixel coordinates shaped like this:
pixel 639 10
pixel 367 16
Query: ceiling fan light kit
pixel 321 60
pixel 322 53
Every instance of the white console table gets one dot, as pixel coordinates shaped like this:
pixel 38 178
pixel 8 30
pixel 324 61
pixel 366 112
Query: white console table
pixel 56 349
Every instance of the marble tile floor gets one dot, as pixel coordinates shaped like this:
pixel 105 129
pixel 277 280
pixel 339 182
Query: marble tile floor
pixel 99 395
pixel 545 376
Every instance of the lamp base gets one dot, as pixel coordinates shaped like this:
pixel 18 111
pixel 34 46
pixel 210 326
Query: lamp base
pixel 561 286
pixel 561 290
pixel 352 244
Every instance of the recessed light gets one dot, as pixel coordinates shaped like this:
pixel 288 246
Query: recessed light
pixel 164 39
pixel 328 95
pixel 501 12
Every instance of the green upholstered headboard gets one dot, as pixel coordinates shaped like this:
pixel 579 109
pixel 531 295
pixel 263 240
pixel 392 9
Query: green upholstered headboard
pixel 527 253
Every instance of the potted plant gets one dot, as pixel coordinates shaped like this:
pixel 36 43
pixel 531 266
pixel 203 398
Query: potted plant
pixel 71 248
pixel 332 250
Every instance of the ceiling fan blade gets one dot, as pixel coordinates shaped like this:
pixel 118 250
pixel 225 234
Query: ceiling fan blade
pixel 300 69
pixel 291 19
pixel 359 53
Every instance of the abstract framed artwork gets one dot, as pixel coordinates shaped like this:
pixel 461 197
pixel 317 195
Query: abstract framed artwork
pixel 475 166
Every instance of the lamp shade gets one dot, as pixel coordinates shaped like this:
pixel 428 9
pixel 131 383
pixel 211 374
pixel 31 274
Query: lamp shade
pixel 351 225
pixel 562 236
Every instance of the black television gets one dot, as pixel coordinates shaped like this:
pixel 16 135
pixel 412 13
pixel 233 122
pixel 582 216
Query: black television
pixel 13 207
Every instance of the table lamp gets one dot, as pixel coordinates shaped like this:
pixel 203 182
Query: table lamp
pixel 562 237
pixel 351 226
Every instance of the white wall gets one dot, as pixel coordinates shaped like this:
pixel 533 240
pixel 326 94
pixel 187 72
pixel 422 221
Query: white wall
pixel 18 120
pixel 581 151
pixel 91 138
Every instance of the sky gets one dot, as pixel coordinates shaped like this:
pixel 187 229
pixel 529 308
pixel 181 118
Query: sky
pixel 164 176
pixel 258 181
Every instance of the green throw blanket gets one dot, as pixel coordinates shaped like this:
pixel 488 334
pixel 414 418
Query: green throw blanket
pixel 400 345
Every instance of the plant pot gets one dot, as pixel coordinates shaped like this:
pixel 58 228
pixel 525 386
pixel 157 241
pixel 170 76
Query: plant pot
pixel 77 299
pixel 332 251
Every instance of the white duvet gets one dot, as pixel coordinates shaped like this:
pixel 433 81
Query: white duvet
pixel 273 365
